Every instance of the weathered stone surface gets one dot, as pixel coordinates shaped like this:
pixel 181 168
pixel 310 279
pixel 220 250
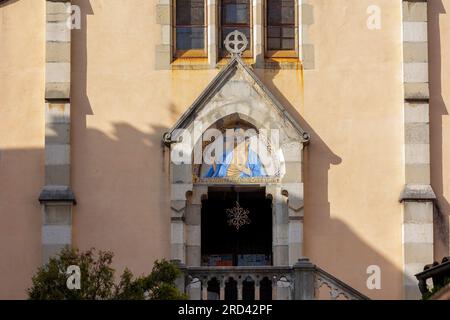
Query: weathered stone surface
pixel 417 153
pixel 58 31
pixel 418 192
pixel 308 59
pixel 416 72
pixel 416 113
pixel 418 212
pixel 58 52
pixel 417 133
pixel 57 214
pixel 418 233
pixel 57 113
pixel 415 11
pixel 193 256
pixel 415 52
pixel 417 173
pixel 57 154
pixel 57 234
pixel 57 175
pixel 163 57
pixel 415 32
pixel 57 194
pixel 55 91
pixel 57 133
pixel 418 91
pixel 419 252
pixel 163 14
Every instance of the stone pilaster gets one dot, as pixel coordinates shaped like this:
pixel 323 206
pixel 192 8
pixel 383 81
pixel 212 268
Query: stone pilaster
pixel 292 188
pixel 418 196
pixel 258 32
pixel 294 191
pixel 178 215
pixel 212 32
pixel 306 14
pixel 57 197
pixel 280 227
pixel 164 50
pixel 193 226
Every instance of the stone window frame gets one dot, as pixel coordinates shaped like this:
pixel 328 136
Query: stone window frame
pixel 290 54
pixel 193 53
pixel 164 53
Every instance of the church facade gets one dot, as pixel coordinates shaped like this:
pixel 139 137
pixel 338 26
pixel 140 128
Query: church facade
pixel 275 149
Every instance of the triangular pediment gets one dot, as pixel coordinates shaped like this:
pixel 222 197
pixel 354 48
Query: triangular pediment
pixel 237 89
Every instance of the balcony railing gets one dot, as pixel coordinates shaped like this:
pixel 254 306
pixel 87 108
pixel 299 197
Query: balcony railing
pixel 299 282
pixel 434 277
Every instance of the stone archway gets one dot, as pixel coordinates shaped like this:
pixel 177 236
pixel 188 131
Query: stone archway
pixel 236 93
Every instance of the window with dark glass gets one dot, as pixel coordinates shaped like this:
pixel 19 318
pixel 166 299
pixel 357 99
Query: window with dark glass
pixel 190 27
pixel 234 15
pixel 280 25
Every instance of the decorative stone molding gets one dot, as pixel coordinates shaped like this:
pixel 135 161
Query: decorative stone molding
pixel 337 287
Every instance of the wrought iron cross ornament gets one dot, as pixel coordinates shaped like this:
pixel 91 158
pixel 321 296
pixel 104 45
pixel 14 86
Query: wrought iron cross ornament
pixel 238 216
pixel 236 42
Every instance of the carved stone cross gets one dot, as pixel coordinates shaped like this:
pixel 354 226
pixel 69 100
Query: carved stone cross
pixel 236 42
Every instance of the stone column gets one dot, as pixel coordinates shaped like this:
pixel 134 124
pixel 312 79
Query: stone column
pixel 280 226
pixel 222 290
pixel 57 197
pixel 205 290
pixel 240 288
pixel 418 195
pixel 304 286
pixel 257 290
pixel 194 289
pixel 283 289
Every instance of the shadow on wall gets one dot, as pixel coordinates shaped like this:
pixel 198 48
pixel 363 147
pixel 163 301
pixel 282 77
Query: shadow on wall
pixel 4 3
pixel 350 268
pixel 122 208
pixel 438 110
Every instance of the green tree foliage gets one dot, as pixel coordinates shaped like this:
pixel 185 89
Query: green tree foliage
pixel 97 279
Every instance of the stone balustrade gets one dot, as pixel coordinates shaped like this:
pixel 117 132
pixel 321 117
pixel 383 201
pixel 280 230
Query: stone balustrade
pixel 299 282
